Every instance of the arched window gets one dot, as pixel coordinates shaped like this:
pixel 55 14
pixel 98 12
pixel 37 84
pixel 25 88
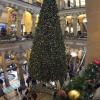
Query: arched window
pixel 77 3
pixel 82 3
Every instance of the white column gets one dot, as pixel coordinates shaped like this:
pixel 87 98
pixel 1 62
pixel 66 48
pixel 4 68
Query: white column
pixel 63 24
pixel 19 64
pixel 67 4
pixel 74 1
pixel 81 27
pixel 62 4
pixel 69 25
pixel 19 19
pixel 5 70
pixel 75 25
pixel 58 3
pixel 34 24
pixel 79 3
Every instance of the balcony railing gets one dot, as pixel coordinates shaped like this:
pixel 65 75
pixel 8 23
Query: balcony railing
pixel 12 39
pixel 33 3
pixel 33 7
pixel 70 40
pixel 79 36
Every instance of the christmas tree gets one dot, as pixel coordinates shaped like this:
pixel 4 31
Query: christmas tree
pixel 48 57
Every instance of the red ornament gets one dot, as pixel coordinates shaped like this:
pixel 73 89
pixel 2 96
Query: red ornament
pixel 61 93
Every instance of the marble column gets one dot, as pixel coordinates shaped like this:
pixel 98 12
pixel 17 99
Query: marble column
pixel 34 24
pixel 5 70
pixel 81 27
pixel 79 3
pixel 75 25
pixel 62 4
pixel 66 4
pixel 80 20
pixel 19 19
pixel 63 24
pixel 70 25
pixel 58 3
pixel 74 1
pixel 20 70
pixel 93 30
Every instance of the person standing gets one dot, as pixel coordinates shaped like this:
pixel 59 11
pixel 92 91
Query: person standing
pixel 34 95
pixel 28 81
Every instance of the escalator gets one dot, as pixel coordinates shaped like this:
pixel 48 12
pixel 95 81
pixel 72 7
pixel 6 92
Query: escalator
pixel 76 65
pixel 82 62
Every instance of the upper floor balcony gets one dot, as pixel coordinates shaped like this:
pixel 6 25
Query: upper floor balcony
pixel 9 38
pixel 35 6
pixel 18 4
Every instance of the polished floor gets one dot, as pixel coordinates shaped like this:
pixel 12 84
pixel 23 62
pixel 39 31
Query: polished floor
pixel 14 84
pixel 41 96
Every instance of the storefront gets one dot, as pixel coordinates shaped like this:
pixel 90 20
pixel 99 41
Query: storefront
pixel 3 31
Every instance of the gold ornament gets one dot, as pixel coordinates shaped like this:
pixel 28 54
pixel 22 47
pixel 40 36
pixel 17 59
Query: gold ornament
pixel 74 94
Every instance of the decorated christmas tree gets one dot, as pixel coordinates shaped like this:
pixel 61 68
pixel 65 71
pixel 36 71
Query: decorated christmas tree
pixel 83 86
pixel 48 57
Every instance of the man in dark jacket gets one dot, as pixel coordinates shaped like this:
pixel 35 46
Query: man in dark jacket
pixel 28 81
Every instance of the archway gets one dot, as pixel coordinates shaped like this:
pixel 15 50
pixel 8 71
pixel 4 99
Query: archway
pixel 27 23
pixel 69 27
pixel 82 21
pixel 9 19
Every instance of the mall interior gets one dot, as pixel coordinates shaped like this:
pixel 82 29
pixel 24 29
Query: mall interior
pixel 18 21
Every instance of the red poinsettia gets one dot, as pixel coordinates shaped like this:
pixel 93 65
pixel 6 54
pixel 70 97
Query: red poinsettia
pixel 96 61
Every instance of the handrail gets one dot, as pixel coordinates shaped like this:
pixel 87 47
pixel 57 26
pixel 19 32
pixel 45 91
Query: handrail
pixel 76 68
pixel 24 5
pixel 83 58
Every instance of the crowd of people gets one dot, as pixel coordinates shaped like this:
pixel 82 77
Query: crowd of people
pixel 29 93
